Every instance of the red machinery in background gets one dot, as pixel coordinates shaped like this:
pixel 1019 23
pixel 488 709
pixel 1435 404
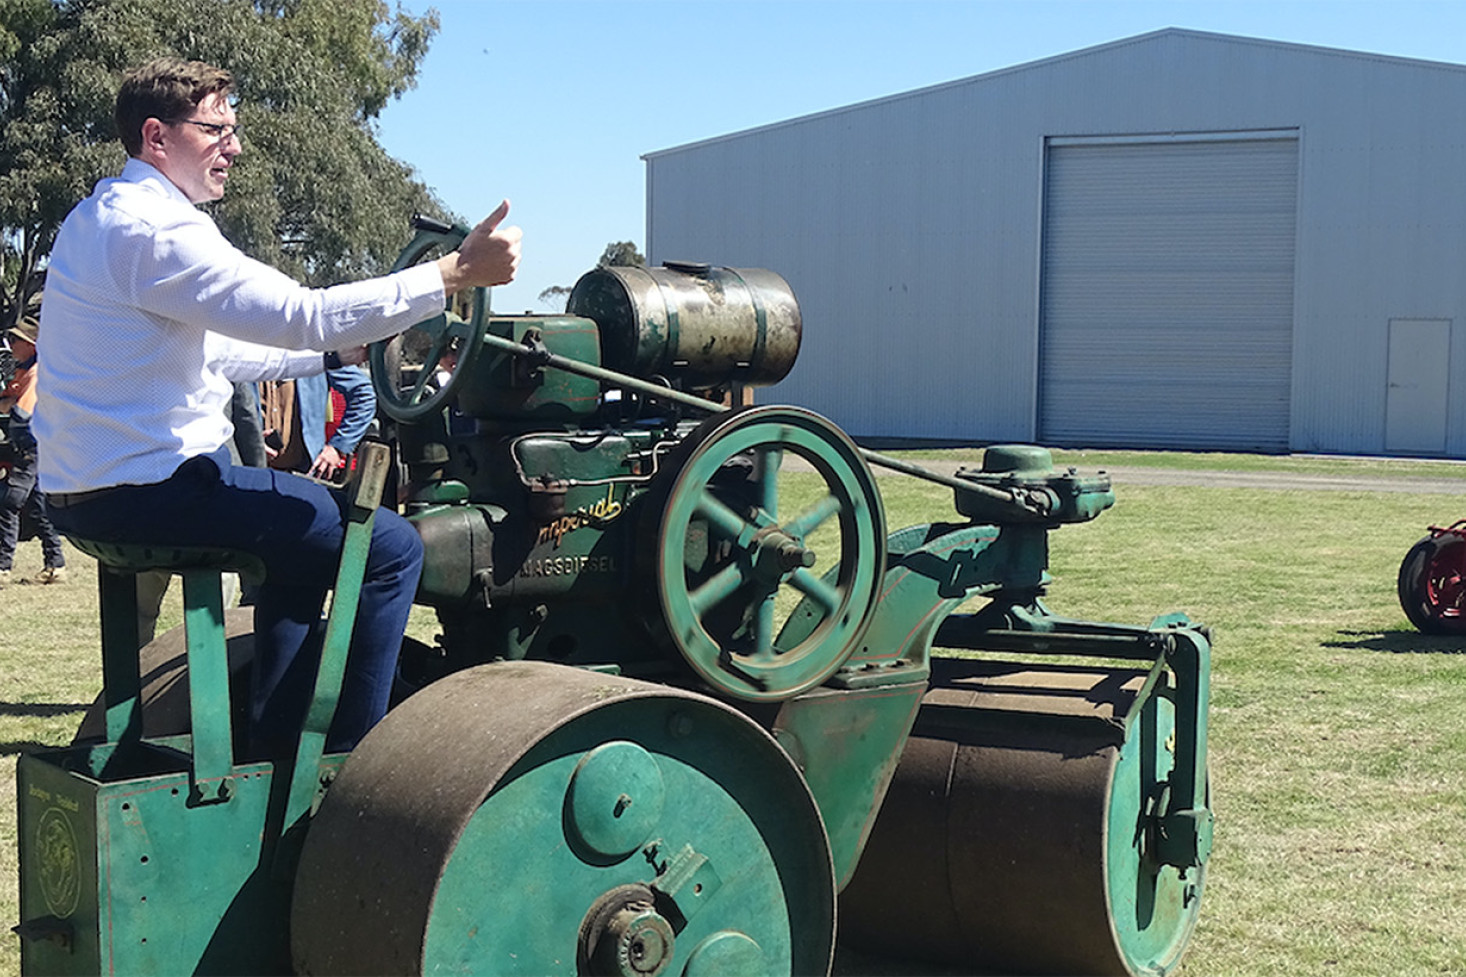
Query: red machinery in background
pixel 1432 582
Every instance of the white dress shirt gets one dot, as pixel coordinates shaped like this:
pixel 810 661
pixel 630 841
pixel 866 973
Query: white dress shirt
pixel 150 314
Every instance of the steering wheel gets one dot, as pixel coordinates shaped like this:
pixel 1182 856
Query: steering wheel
pixel 416 372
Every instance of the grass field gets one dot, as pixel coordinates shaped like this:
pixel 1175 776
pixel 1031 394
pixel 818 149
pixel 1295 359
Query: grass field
pixel 1338 733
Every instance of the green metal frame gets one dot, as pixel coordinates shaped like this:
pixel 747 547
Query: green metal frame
pixel 166 855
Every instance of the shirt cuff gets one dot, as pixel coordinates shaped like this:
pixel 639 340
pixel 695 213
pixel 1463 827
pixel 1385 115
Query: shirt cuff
pixel 303 363
pixel 425 278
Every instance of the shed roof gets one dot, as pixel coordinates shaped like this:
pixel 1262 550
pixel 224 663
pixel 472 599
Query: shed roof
pixel 1166 35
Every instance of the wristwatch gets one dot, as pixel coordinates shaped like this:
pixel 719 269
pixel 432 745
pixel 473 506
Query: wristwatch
pixel 332 360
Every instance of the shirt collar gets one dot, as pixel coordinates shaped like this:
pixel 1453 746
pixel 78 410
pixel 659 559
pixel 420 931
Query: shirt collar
pixel 148 175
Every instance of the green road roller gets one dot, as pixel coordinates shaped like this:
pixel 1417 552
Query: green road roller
pixel 691 707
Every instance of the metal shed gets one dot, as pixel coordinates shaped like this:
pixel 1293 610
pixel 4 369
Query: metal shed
pixel 1179 240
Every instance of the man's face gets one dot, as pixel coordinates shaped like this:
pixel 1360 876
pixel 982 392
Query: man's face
pixel 195 159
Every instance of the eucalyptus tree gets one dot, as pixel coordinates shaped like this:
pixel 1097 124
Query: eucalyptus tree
pixel 313 194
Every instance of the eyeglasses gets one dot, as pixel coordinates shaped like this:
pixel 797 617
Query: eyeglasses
pixel 219 130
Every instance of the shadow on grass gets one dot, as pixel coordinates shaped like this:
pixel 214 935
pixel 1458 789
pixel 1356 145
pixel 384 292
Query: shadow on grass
pixel 1401 642
pixel 36 710
pixel 17 747
pixel 42 710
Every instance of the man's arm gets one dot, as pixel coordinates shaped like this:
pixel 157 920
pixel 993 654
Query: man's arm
pixel 246 362
pixel 187 271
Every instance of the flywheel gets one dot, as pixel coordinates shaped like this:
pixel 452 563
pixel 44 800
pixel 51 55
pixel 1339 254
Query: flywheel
pixel 770 550
pixel 529 818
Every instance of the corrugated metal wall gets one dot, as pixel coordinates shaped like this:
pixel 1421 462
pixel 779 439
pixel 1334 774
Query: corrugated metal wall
pixel 910 228
pixel 1167 292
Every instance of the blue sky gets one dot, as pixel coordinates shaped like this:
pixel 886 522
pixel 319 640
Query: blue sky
pixel 552 104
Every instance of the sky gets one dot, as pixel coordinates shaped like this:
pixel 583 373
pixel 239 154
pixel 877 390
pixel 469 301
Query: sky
pixel 552 104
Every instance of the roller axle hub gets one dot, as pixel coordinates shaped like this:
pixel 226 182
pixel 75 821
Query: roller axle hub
pixel 624 936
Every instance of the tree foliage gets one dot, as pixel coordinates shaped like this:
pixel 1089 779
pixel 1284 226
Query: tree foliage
pixel 555 297
pixel 620 254
pixel 313 193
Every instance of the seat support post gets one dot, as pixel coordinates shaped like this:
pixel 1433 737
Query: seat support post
pixel 208 685
pixel 122 682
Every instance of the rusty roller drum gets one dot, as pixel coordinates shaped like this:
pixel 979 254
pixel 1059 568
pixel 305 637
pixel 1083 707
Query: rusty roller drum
pixel 529 818
pixel 1017 835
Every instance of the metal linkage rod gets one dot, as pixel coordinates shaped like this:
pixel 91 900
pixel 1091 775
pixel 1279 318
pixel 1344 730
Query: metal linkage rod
pixel 540 356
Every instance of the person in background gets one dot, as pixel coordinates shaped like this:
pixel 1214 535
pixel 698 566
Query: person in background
pixel 297 416
pixel 150 316
pixel 19 492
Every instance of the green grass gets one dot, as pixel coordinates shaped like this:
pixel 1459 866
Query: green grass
pixel 1338 743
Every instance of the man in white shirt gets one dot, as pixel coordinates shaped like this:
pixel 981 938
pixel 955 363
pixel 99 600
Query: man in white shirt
pixel 150 316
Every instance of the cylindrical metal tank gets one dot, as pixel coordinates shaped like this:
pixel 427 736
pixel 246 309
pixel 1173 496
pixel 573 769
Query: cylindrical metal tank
pixel 702 325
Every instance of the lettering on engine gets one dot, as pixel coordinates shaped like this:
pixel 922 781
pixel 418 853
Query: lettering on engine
pixel 568 565
pixel 602 512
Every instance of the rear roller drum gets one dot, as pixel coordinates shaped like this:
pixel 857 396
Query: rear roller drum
pixel 1027 843
pixel 163 667
pixel 527 818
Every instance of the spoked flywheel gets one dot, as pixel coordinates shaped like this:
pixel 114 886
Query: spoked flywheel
pixel 415 373
pixel 1432 583
pixel 528 818
pixel 770 551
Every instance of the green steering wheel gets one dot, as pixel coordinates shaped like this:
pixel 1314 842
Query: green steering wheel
pixel 416 372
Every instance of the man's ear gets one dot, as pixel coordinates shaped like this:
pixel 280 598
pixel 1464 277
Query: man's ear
pixel 153 143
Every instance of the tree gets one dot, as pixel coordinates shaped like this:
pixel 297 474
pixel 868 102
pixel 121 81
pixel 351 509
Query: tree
pixel 555 296
pixel 313 193
pixel 619 254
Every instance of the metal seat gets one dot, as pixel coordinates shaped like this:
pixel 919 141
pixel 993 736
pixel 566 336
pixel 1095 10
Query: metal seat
pixel 138 557
pixel 208 662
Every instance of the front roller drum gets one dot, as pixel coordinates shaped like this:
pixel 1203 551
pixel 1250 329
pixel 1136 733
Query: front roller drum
pixel 528 818
pixel 1027 843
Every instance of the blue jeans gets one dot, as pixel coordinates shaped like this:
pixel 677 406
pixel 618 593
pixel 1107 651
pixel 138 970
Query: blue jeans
pixel 295 527
pixel 18 494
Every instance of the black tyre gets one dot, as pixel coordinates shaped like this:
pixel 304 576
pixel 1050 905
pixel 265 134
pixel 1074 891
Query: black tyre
pixel 1432 584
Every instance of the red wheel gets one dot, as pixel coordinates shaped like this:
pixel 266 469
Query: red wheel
pixel 1432 583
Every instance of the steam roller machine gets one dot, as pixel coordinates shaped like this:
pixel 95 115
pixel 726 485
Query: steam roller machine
pixel 690 705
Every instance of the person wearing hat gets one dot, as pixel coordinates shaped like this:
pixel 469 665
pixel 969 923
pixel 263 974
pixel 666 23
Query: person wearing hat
pixel 20 493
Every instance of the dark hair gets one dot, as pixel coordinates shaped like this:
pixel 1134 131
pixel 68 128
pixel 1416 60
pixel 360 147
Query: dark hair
pixel 165 89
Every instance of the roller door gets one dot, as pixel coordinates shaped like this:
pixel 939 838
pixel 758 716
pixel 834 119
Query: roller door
pixel 1167 292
